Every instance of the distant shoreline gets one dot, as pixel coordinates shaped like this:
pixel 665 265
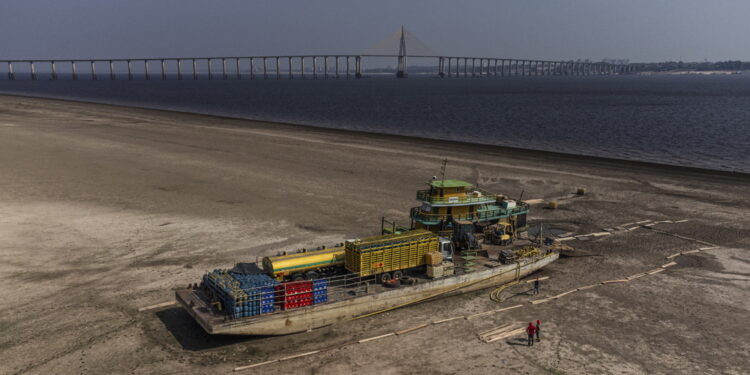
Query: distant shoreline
pixel 695 72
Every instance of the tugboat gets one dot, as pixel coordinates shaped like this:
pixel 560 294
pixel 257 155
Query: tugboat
pixel 461 239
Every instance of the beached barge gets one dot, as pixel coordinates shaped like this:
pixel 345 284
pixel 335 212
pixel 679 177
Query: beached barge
pixel 470 248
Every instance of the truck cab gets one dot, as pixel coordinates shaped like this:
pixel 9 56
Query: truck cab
pixel 446 248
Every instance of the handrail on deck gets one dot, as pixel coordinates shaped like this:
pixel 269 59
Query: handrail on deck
pixel 473 196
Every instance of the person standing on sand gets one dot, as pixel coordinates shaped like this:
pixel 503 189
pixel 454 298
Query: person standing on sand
pixel 530 331
pixel 536 286
pixel 538 328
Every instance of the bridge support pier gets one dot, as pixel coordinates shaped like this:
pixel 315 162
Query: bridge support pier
pixel 252 69
pixel 54 71
pixel 179 70
pixel 325 67
pixel 93 71
pixel 315 67
pixel 236 67
pixel 210 71
pixel 265 68
pixel 33 70
pixel 147 76
pixel 163 70
pixel 195 69
pixel 73 67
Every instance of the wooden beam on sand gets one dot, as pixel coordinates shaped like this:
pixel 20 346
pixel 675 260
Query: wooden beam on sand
pixel 376 337
pixel 449 319
pixel 538 278
pixel 588 286
pixel 158 305
pixel 412 329
pixel 506 335
pixel 633 277
pixel 255 365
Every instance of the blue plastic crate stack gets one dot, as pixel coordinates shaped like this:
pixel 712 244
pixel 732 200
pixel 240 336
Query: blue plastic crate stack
pixel 320 291
pixel 260 291
pixel 242 295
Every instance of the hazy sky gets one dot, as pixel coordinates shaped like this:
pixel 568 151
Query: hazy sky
pixel 641 30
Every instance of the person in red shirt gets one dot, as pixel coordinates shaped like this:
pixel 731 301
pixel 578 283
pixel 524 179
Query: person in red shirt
pixel 538 328
pixel 530 331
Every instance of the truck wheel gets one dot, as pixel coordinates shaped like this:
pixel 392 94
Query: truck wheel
pixel 398 275
pixel 312 275
pixel 298 277
pixel 384 277
pixel 395 283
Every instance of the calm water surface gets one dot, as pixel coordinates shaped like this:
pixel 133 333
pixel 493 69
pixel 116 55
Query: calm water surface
pixel 701 121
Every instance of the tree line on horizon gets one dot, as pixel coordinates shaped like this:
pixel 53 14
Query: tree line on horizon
pixel 665 66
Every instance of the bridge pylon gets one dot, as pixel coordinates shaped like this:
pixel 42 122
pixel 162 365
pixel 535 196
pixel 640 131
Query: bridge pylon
pixel 402 69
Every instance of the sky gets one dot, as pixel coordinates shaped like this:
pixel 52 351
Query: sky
pixel 639 30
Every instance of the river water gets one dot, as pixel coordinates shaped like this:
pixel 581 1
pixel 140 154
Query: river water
pixel 700 121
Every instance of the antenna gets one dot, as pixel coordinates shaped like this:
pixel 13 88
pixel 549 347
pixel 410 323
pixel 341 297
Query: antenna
pixel 521 196
pixel 442 170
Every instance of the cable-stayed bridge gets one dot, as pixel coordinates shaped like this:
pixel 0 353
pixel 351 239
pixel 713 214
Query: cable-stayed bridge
pixel 322 66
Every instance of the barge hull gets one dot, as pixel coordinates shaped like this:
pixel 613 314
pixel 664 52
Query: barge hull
pixel 316 316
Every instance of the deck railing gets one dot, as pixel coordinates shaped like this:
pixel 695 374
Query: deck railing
pixel 482 215
pixel 475 196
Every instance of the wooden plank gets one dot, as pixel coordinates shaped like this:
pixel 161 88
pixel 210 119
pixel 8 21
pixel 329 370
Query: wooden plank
pixel 496 330
pixel 255 365
pixel 507 308
pixel 565 239
pixel 538 278
pixel 642 222
pixel 412 329
pixel 538 301
pixel 506 335
pixel 691 251
pixel 615 281
pixel 449 319
pixel 675 255
pixel 158 305
pixel 633 228
pixel 681 221
pixel 376 337
pixel 564 294
pixel 472 316
pixel 600 234
pixel 534 201
pixel 588 287
pixel 633 277
pixel 491 312
pixel 655 271
pixel 299 355
pixel 708 248
pixel 670 264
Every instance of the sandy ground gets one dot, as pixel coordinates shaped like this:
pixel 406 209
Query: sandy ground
pixel 105 209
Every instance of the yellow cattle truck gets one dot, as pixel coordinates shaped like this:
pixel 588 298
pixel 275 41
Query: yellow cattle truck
pixel 386 256
pixel 307 265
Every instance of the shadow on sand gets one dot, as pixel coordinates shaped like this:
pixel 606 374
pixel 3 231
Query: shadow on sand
pixel 191 336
